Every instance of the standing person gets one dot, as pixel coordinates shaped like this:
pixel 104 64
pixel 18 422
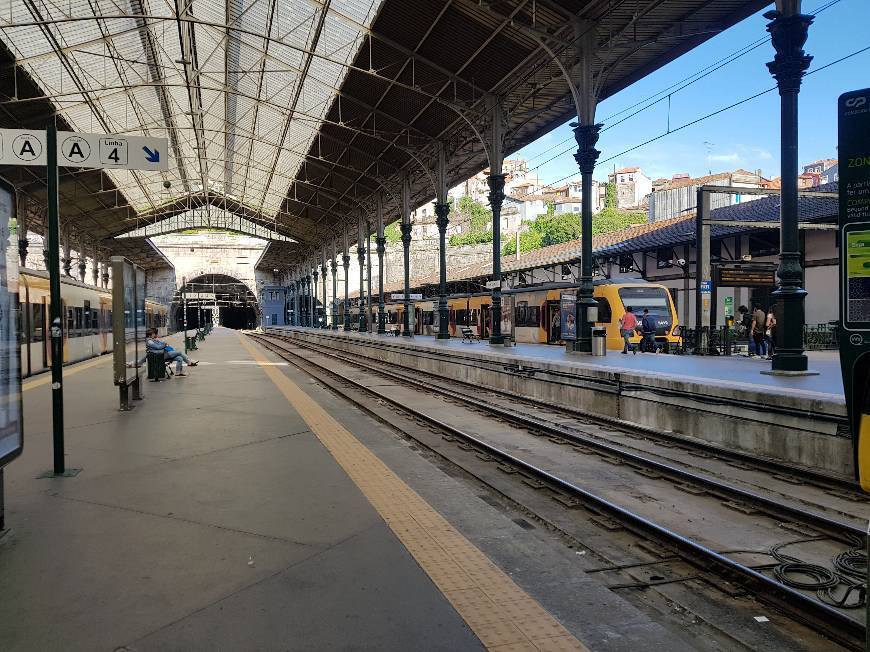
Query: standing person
pixel 770 332
pixel 746 328
pixel 627 325
pixel 155 345
pixel 759 318
pixel 648 328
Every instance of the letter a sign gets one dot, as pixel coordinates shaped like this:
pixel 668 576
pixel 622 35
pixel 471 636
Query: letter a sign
pixel 75 150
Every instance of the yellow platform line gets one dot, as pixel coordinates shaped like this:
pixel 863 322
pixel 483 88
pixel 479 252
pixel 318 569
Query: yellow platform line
pixel 45 377
pixel 502 615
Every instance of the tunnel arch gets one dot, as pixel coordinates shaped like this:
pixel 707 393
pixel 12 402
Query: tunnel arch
pixel 217 297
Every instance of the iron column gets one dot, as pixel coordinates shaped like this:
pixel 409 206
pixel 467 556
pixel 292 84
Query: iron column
pixel 406 246
pixel 370 313
pixel 442 208
pixel 362 235
pixel 345 262
pixel 788 32
pixel 381 242
pixel 57 325
pixel 496 197
pixel 586 136
pixel 314 294
pixel 334 265
pixel 325 323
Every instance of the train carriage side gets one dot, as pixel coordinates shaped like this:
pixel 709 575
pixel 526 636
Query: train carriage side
pixel 614 298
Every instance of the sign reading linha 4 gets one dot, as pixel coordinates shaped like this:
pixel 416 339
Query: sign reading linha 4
pixel 27 147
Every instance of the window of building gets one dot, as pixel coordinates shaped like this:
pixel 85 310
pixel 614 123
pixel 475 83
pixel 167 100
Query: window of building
pixel 764 243
pixel 663 258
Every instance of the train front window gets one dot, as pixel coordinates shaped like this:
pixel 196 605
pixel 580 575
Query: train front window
pixel 655 299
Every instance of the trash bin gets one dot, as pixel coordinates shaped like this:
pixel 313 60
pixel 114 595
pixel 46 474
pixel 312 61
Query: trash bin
pixel 599 341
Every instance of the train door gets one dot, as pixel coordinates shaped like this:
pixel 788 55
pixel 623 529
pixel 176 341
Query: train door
pixel 553 315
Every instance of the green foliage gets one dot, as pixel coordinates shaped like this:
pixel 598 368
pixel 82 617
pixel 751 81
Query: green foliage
pixel 393 233
pixel 545 230
pixel 477 220
pixel 549 228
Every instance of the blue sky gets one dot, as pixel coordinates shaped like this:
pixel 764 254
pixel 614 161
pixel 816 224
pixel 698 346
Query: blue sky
pixel 746 136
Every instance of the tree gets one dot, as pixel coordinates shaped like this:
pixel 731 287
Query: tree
pixel 478 222
pixel 393 233
pixel 549 228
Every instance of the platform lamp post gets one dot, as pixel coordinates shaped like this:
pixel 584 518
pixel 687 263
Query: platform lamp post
pixel 184 310
pixel 381 243
pixel 788 33
pixel 334 265
pixel 442 209
pixel 362 236
pixel 313 323
pixel 406 247
pixel 345 262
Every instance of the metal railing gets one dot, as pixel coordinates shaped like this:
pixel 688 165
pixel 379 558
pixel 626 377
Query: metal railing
pixel 721 340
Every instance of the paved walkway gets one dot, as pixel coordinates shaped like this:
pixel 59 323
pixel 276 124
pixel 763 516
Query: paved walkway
pixel 231 510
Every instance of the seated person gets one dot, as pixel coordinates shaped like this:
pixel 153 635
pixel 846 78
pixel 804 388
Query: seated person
pixel 154 345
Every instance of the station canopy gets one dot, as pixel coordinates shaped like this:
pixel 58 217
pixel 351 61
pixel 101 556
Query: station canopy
pixel 294 114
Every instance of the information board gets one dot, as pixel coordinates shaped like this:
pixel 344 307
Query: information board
pixel 853 112
pixel 11 431
pixel 745 276
pixel 567 306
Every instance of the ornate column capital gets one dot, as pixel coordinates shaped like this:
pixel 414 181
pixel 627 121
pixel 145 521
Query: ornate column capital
pixel 406 233
pixel 442 210
pixel 496 191
pixel 788 35
pixel 381 245
pixel 334 266
pixel 345 261
pixel 586 137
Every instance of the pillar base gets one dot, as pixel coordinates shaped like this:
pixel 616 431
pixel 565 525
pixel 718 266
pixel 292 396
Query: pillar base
pixel 442 336
pixel 496 340
pixel 790 374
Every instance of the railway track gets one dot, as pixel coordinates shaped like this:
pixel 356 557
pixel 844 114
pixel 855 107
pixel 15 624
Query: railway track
pixel 812 602
pixel 839 496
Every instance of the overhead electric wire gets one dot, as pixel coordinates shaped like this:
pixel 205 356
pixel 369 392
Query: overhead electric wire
pixel 649 101
pixel 692 122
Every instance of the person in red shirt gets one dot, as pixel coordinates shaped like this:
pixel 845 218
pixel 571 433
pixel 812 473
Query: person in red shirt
pixel 627 325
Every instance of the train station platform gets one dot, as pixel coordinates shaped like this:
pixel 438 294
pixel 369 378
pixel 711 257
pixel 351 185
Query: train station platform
pixel 725 401
pixel 246 507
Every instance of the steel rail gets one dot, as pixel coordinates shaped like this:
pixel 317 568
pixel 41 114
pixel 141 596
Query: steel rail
pixel 821 617
pixel 821 480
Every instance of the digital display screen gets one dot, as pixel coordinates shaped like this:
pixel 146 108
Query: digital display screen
pixel 858 276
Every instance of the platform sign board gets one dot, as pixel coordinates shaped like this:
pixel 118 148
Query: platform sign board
pixel 567 306
pixel 741 275
pixel 11 430
pixel 853 111
pixel 109 151
pixel 128 320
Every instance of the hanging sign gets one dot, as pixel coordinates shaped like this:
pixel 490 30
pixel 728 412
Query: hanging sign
pixel 103 151
pixel 411 297
pixel 492 285
pixel 853 111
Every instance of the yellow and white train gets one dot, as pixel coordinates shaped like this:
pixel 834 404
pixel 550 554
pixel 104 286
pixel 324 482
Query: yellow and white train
pixel 536 312
pixel 87 314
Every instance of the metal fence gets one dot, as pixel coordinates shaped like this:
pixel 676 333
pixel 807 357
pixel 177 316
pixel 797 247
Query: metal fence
pixel 721 340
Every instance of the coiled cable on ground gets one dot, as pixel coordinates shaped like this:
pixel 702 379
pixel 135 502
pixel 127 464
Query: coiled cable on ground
pixel 850 571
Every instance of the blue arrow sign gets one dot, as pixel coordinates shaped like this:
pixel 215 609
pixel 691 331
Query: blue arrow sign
pixel 151 157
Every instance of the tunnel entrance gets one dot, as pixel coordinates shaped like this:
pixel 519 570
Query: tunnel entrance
pixel 218 299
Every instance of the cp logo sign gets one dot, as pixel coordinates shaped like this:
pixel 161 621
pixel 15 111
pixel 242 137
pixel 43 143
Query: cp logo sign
pixel 856 339
pixel 856 102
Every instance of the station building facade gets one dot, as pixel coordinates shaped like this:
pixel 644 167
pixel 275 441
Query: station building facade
pixel 274 306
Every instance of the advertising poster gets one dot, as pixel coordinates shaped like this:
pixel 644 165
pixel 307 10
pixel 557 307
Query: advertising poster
pixel 507 317
pixel 10 376
pixel 567 306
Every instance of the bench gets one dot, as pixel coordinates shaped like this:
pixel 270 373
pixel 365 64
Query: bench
pixel 394 332
pixel 469 335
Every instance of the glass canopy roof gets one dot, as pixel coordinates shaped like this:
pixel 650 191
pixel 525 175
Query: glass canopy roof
pixel 238 87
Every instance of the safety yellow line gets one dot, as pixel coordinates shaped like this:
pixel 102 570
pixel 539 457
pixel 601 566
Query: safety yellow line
pixel 45 377
pixel 501 614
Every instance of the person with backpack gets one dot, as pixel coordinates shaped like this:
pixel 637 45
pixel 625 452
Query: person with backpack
pixel 759 318
pixel 627 325
pixel 648 330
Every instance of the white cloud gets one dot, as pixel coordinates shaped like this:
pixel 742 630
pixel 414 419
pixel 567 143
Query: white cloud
pixel 733 157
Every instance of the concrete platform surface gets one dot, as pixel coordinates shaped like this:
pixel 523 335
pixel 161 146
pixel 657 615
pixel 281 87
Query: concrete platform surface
pixel 244 507
pixel 718 371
